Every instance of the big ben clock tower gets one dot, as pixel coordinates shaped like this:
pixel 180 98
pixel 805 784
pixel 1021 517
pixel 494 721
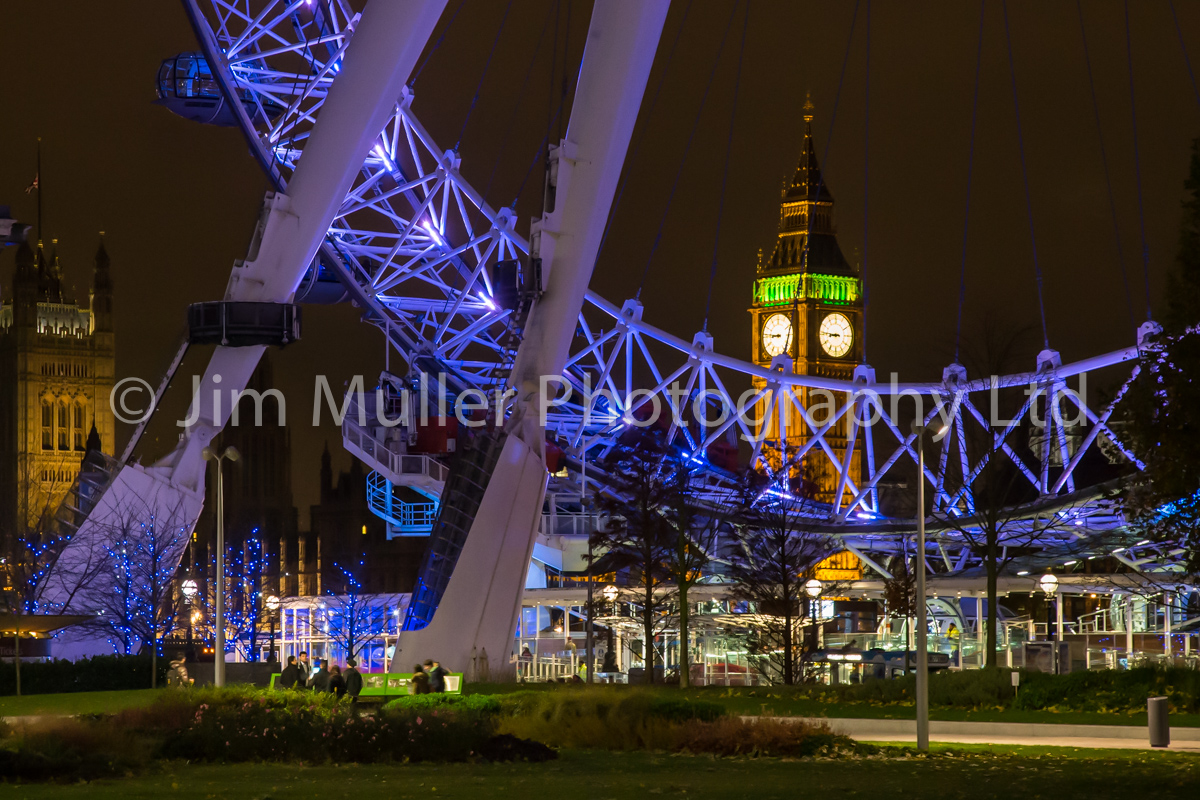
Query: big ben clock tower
pixel 807 312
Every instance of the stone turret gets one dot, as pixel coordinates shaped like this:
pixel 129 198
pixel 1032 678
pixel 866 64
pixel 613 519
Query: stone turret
pixel 102 290
pixel 25 288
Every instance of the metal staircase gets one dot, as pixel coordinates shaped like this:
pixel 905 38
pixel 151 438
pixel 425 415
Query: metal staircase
pixel 403 517
pixel 469 475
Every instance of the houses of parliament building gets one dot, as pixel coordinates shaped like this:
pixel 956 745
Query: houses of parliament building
pixel 56 375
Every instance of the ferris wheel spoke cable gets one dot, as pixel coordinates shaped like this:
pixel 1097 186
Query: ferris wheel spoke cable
pixel 737 82
pixel 512 117
pixel 1112 205
pixel 483 76
pixel 540 153
pixel 1037 267
pixel 962 269
pixel 420 68
pixel 866 181
pixel 1137 162
pixel 837 99
pixel 1183 47
pixel 637 148
pixel 686 149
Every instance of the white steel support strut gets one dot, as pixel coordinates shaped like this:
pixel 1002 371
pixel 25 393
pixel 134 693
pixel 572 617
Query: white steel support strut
pixel 477 615
pixel 387 42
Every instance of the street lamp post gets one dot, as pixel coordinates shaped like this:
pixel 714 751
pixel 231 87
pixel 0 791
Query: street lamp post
pixel 230 454
pixel 273 609
pixel 922 624
pixel 190 589
pixel 813 589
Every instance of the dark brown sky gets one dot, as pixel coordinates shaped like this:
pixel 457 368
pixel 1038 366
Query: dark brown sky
pixel 178 200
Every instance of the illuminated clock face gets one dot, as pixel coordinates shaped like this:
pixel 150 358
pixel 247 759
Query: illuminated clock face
pixel 836 335
pixel 777 335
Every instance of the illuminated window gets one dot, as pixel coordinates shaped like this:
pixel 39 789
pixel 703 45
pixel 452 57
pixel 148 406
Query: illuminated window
pixel 64 429
pixel 78 428
pixel 47 425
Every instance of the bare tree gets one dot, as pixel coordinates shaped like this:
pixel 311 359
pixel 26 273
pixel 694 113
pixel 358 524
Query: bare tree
pixel 695 530
pixel 639 538
pixel 352 619
pixel 997 529
pixel 983 503
pixel 242 598
pixel 773 558
pixel 900 597
pixel 48 510
pixel 136 599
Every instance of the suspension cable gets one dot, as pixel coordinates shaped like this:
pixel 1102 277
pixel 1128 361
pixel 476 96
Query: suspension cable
pixel 1183 48
pixel 866 183
pixel 962 269
pixel 1037 268
pixel 553 70
pixel 1112 205
pixel 413 80
pixel 512 117
pixel 562 100
pixel 483 75
pixel 541 149
pixel 686 149
pixel 1137 162
pixel 662 78
pixel 837 99
pixel 737 82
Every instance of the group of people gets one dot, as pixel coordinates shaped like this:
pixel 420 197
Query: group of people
pixel 298 674
pixel 428 678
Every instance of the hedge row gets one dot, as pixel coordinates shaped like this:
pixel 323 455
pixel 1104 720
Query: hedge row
pixel 1118 691
pixel 96 674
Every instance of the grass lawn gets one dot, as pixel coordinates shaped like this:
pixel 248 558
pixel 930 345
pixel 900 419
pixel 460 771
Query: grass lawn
pixel 776 701
pixel 744 701
pixel 589 775
pixel 75 702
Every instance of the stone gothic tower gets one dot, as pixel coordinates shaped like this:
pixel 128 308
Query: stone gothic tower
pixel 56 375
pixel 806 313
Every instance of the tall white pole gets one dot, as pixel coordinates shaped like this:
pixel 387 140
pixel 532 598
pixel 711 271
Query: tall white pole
pixel 1167 624
pixel 921 624
pixel 219 623
pixel 1129 630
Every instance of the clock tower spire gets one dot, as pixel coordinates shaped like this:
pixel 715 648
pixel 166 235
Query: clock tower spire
pixel 806 312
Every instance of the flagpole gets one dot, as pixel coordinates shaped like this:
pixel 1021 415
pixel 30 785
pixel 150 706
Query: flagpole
pixel 38 179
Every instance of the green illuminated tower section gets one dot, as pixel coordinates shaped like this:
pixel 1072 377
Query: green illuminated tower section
pixel 807 307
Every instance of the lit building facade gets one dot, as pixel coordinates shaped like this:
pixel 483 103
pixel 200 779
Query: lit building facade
pixel 57 360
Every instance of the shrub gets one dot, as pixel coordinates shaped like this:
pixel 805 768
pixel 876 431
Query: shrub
pixel 734 736
pixel 677 709
pixel 506 747
pixel 607 718
pixel 615 718
pixel 482 703
pixel 67 750
pixel 1114 691
pixel 1120 691
pixel 96 674
pixel 246 724
pixel 262 731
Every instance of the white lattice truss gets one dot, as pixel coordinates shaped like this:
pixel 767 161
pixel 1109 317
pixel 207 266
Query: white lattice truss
pixel 415 244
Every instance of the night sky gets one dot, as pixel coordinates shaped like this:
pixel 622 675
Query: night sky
pixel 178 200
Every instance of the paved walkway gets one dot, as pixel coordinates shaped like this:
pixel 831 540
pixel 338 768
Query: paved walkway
pixel 1045 735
